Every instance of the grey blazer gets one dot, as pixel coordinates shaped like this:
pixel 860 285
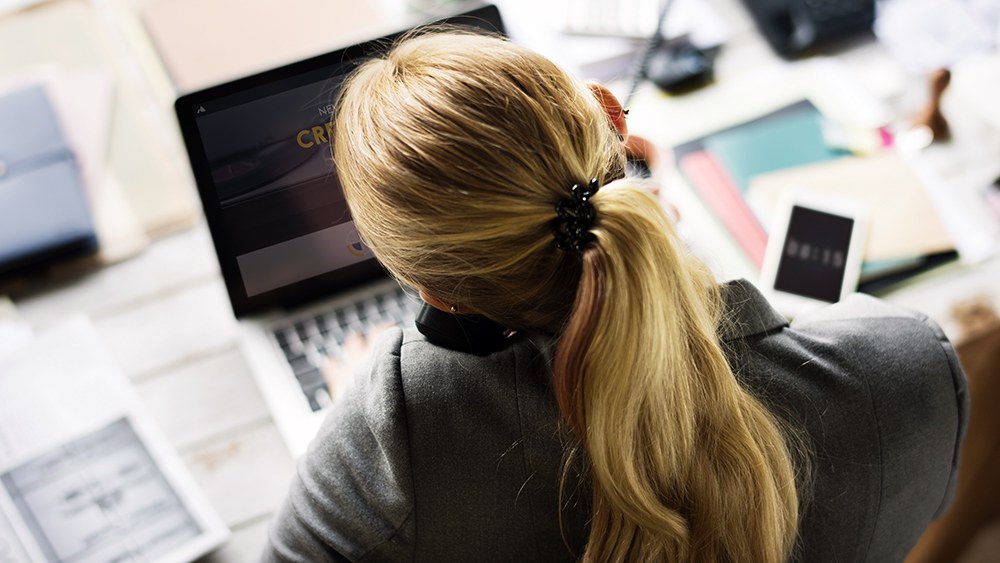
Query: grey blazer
pixel 436 455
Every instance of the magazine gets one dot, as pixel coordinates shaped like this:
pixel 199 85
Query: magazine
pixel 85 476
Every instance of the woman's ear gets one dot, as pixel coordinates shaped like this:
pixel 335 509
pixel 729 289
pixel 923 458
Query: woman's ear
pixel 435 302
pixel 611 105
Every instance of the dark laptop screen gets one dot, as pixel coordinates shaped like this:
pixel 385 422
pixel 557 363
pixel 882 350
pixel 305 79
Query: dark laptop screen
pixel 279 200
pixel 260 149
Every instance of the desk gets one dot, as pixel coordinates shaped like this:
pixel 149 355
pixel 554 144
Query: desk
pixel 165 316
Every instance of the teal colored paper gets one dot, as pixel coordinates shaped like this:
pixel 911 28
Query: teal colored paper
pixel 779 141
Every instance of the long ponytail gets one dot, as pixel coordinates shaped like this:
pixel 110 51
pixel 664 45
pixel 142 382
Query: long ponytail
pixel 685 464
pixel 453 151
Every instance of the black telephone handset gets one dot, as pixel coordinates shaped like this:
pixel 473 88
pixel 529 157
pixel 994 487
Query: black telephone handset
pixel 793 26
pixel 472 334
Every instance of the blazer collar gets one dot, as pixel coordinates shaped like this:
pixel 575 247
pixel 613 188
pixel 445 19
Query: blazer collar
pixel 747 312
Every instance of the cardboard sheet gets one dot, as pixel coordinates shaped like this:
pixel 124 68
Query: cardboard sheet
pixel 903 223
pixel 205 42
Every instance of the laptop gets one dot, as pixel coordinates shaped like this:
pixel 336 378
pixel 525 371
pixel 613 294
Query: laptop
pixel 298 276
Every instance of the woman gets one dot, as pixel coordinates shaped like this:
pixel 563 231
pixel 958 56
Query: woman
pixel 638 412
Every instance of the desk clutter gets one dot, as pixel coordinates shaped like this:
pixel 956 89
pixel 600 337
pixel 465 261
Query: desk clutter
pixel 122 155
pixel 108 81
pixel 742 171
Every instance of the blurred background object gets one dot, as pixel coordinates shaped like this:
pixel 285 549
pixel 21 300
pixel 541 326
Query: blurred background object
pixel 795 27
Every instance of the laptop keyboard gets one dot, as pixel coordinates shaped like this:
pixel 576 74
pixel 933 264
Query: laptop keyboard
pixel 307 342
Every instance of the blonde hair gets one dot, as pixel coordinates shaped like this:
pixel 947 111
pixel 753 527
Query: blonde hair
pixel 453 150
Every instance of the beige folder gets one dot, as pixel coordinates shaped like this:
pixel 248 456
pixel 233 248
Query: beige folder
pixel 205 42
pixel 903 220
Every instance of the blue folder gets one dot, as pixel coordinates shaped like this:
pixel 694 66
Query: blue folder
pixel 44 213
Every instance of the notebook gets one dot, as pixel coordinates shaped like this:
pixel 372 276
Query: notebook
pixel 44 213
pixel 142 155
pixel 298 277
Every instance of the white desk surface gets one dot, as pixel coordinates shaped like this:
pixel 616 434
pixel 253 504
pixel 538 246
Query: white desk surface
pixel 165 316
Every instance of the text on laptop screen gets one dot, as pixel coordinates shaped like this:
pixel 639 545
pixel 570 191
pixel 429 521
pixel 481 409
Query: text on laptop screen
pixel 260 151
pixel 280 202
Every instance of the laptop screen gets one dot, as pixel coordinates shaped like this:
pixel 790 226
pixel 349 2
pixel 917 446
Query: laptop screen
pixel 278 195
pixel 260 149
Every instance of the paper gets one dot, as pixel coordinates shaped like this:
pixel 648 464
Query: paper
pixel 84 475
pixel 100 497
pixel 12 6
pixel 205 42
pixel 83 99
pixel 904 222
pixel 11 550
pixel 925 35
pixel 13 336
pixel 716 187
pixel 788 138
pixel 975 81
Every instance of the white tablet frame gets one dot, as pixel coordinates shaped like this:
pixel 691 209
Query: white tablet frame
pixel 791 304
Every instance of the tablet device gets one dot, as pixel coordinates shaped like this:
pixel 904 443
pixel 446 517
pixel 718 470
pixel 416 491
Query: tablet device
pixel 814 252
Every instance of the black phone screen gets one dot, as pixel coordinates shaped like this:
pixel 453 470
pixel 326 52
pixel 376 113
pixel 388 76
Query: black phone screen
pixel 814 255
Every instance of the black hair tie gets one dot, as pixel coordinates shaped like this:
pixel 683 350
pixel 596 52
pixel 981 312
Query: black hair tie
pixel 575 216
